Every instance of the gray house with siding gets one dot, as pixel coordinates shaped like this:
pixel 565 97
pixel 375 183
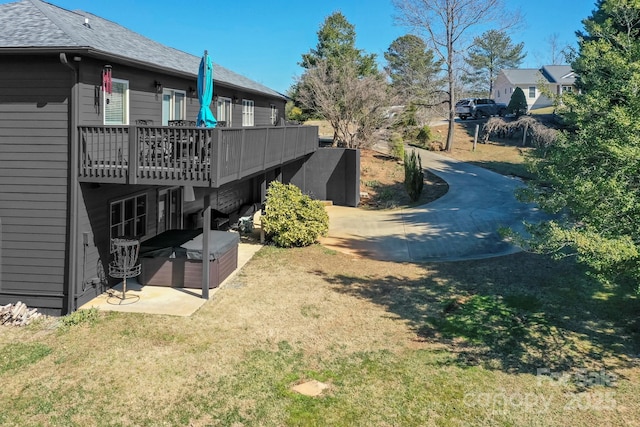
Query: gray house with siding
pixel 97 141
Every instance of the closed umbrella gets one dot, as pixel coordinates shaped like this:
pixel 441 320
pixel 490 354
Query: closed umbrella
pixel 205 92
pixel 205 119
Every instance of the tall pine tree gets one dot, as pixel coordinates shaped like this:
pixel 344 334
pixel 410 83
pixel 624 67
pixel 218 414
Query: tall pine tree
pixel 491 52
pixel 337 45
pixel 412 68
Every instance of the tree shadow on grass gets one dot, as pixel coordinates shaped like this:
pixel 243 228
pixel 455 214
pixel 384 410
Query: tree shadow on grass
pixel 516 313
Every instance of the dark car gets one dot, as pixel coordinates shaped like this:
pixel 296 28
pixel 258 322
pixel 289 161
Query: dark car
pixel 479 107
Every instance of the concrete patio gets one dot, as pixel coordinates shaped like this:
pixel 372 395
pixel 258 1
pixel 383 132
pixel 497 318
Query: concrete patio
pixel 161 299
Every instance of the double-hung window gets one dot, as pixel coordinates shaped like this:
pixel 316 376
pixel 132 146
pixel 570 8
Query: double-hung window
pixel 174 106
pixel 128 217
pixel 116 103
pixel 274 115
pixel 247 112
pixel 532 91
pixel 224 111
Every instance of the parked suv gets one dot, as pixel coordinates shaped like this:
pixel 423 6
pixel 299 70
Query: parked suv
pixel 479 107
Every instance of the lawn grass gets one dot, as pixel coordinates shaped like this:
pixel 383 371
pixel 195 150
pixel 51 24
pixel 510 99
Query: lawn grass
pixel 444 344
pixel 544 110
pixel 520 340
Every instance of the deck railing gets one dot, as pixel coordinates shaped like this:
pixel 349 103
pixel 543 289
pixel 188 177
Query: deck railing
pixel 197 156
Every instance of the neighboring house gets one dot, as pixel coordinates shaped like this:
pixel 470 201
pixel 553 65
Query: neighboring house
pixel 559 79
pixel 80 164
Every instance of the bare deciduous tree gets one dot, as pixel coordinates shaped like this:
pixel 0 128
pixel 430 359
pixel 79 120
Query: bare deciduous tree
pixel 444 25
pixel 353 105
pixel 558 51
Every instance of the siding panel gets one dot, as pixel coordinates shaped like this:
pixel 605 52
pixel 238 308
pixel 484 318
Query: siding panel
pixel 34 140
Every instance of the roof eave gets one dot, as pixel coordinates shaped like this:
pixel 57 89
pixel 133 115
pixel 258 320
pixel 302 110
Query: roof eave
pixel 98 54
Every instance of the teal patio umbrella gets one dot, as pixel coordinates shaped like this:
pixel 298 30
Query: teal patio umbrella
pixel 205 93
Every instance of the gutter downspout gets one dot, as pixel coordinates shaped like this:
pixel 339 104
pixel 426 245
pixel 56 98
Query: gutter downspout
pixel 72 261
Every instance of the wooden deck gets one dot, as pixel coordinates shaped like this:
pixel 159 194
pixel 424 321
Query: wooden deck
pixel 187 155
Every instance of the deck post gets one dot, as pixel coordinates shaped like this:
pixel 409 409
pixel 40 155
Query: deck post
pixel 206 226
pixel 132 161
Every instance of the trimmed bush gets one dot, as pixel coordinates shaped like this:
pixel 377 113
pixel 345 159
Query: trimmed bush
pixel 413 176
pixel 292 218
pixel 518 103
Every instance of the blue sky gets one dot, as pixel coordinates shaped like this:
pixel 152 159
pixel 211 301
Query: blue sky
pixel 264 40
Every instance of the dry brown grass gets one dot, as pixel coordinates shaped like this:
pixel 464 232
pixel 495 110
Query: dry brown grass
pixel 324 128
pixel 382 178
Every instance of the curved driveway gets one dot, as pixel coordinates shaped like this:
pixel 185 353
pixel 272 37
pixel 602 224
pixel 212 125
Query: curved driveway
pixel 463 224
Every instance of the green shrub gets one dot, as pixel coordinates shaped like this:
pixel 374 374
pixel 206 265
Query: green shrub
pixel 518 103
pixel 294 113
pixel 413 176
pixel 292 218
pixel 397 146
pixel 424 136
pixel 85 316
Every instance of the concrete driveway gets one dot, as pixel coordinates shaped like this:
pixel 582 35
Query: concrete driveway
pixel 463 224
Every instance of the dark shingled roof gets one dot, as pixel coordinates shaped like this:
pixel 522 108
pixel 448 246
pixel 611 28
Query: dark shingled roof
pixel 559 74
pixel 33 24
pixel 562 74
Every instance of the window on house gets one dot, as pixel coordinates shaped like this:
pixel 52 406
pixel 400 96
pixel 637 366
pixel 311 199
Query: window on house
pixel 174 106
pixel 532 91
pixel 247 113
pixel 129 217
pixel 567 89
pixel 224 109
pixel 116 103
pixel 274 115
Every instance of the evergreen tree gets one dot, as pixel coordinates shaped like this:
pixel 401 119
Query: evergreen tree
pixel 413 175
pixel 518 103
pixel 491 52
pixel 342 84
pixel 412 68
pixel 590 177
pixel 337 44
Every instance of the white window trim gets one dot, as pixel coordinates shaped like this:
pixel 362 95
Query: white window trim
pixel 219 103
pixel 126 104
pixel 172 104
pixel 274 114
pixel 534 91
pixel 248 112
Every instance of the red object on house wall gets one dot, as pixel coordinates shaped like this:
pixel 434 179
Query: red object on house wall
pixel 106 79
